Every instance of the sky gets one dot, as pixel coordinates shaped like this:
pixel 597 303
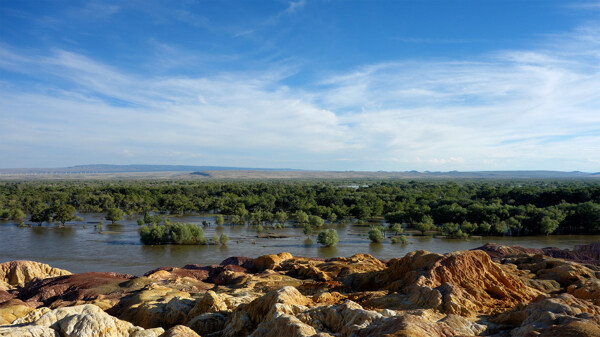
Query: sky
pixel 374 85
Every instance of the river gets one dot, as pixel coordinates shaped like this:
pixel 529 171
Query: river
pixel 80 247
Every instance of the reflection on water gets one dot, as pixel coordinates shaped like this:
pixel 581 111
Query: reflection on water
pixel 117 247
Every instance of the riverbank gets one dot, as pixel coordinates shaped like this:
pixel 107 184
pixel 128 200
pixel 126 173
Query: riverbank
pixel 495 291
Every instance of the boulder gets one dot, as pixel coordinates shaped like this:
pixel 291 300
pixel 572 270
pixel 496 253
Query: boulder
pixel 77 321
pixel 15 274
pixel 271 261
pixel 467 283
pixel 76 289
pixel 156 306
pixel 12 309
pixel 207 323
pixel 210 302
pixel 283 325
pixel 408 326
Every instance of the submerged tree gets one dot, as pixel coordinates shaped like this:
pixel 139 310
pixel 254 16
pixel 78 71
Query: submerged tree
pixel 328 238
pixel 64 213
pixel 114 214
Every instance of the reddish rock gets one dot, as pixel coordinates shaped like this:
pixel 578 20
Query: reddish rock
pixel 241 261
pixel 174 273
pixel 588 254
pixel 5 296
pixel 73 287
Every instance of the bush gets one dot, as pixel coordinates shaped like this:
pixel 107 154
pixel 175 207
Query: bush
pixel 223 239
pixel 154 235
pixel 186 234
pixel 315 221
pixel 400 239
pixel 140 222
pixel 114 214
pixel 397 228
pixel 220 220
pixel 308 230
pixel 328 238
pixel 375 235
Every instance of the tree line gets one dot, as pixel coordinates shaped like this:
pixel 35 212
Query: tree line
pixel 456 208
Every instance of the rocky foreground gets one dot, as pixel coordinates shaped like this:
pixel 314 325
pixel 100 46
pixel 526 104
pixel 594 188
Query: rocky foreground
pixel 492 291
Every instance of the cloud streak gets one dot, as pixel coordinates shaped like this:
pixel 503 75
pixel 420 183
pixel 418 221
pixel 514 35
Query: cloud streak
pixel 511 109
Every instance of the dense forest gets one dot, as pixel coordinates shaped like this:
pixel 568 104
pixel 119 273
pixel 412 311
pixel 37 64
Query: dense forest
pixel 455 208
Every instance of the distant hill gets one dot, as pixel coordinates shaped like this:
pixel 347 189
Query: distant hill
pixel 104 168
pixel 101 171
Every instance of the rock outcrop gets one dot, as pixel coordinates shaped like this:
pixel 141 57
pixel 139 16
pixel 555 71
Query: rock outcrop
pixel 78 321
pixel 502 291
pixel 15 274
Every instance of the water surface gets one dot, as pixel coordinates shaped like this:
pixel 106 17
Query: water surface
pixel 80 247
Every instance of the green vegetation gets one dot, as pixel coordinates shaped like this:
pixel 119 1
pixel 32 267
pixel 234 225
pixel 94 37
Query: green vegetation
pixel 400 239
pixel 177 233
pixel 452 208
pixel 376 235
pixel 114 214
pixel 64 213
pixel 328 238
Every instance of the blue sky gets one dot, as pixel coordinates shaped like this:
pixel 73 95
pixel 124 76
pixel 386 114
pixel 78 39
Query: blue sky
pixel 312 84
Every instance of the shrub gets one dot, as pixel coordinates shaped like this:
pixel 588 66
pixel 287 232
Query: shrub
pixel 186 234
pixel 308 230
pixel 220 220
pixel 223 239
pixel 375 235
pixel 315 221
pixel 397 228
pixel 328 238
pixel 400 239
pixel 154 235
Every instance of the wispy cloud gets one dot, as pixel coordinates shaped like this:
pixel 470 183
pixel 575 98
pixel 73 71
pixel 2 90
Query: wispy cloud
pixel 511 109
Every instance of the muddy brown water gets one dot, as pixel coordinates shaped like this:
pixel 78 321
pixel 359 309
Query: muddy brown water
pixel 80 247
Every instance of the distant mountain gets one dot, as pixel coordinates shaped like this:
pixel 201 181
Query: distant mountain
pixel 104 168
pixel 246 172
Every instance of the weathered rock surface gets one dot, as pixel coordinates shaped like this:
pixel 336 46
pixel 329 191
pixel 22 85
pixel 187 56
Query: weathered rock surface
pixel 16 274
pixel 502 291
pixel 587 254
pixel 78 321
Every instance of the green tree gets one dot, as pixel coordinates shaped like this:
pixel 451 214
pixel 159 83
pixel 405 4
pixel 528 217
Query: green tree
pixel 400 239
pixel 16 214
pixel 186 234
pixel 41 214
pixel 154 235
pixel 308 230
pixel 397 229
pixel 220 220
pixel 140 222
pixel 301 217
pixel 375 235
pixel 315 221
pixel 223 239
pixel 426 224
pixel 328 238
pixel 64 213
pixel 281 216
pixel 114 214
pixel 548 225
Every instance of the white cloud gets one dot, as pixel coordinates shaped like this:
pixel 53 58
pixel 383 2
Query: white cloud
pixel 519 109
